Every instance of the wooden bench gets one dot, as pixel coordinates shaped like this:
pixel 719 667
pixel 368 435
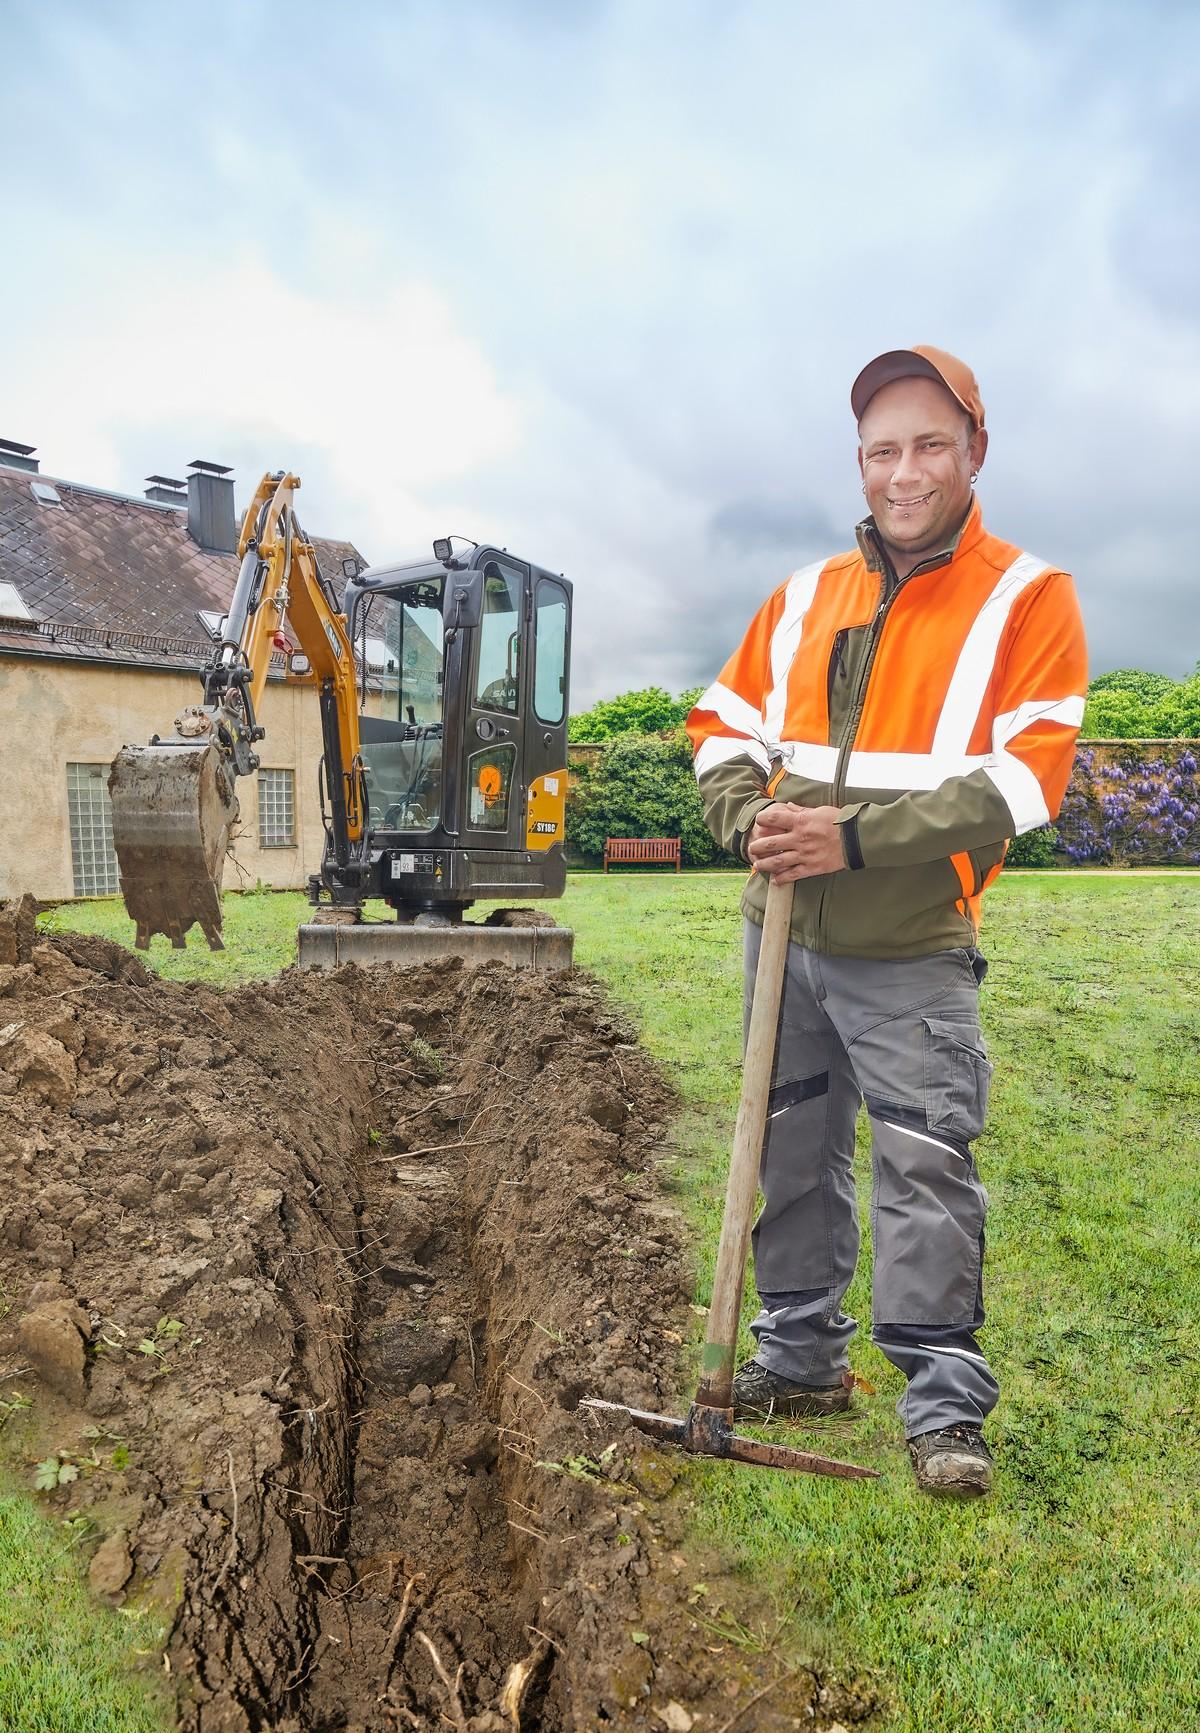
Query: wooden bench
pixel 642 848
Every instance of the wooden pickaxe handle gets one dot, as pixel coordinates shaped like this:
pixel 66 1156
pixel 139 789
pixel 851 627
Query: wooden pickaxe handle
pixel 741 1192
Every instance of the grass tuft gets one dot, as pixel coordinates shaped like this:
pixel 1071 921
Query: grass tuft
pixel 65 1662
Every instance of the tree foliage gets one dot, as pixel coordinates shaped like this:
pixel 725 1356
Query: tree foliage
pixel 1126 704
pixel 1131 704
pixel 1036 848
pixel 649 711
pixel 642 785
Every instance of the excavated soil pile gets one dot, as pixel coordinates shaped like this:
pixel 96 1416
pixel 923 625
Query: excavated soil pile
pixel 307 1280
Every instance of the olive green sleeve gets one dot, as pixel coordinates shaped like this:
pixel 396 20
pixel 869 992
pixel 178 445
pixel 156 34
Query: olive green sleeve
pixel 732 795
pixel 927 824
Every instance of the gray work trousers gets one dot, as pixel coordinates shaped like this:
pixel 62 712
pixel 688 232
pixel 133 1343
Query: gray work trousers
pixel 903 1035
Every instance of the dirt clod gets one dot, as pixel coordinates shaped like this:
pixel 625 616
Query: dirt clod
pixel 18 929
pixel 404 1355
pixel 51 1338
pixel 111 1566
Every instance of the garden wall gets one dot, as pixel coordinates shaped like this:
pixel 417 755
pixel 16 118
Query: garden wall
pixel 1132 803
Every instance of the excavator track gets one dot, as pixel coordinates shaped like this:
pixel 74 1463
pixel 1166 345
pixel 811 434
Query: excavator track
pixel 173 808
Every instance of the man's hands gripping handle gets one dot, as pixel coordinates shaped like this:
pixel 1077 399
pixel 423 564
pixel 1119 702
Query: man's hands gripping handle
pixel 791 842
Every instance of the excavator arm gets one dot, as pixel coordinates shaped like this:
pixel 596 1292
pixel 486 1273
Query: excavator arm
pixel 174 802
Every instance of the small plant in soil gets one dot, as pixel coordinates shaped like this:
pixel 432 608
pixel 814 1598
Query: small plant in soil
pixel 594 1470
pixel 119 1458
pixel 166 1340
pixel 55 1471
pixel 101 1435
pixel 17 1403
pixel 426 1054
pixel 554 1335
pixel 77 1527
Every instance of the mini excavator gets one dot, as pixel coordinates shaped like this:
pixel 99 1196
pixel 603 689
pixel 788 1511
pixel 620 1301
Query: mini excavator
pixel 443 687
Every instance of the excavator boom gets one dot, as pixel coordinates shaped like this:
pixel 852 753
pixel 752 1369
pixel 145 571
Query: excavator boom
pixel 174 805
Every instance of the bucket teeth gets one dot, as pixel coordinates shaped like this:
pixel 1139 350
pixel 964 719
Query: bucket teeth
pixel 173 808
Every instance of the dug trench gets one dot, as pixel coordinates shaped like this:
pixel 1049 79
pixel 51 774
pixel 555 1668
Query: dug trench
pixel 306 1280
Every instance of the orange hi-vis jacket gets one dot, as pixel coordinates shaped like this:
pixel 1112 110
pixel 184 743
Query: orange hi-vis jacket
pixel 937 712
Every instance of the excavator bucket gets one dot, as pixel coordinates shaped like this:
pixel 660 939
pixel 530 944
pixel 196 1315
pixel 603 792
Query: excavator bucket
pixel 173 807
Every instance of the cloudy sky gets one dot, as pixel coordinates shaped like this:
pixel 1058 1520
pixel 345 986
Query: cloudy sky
pixel 591 280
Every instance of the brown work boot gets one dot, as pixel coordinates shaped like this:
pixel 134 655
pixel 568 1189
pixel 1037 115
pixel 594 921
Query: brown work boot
pixel 760 1394
pixel 955 1463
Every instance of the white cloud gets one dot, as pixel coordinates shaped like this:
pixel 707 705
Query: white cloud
pixel 391 395
pixel 593 282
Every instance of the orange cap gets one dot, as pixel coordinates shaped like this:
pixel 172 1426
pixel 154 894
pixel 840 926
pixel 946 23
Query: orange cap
pixel 922 361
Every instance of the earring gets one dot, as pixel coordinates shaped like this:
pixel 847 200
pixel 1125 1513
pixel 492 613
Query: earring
pixel 974 477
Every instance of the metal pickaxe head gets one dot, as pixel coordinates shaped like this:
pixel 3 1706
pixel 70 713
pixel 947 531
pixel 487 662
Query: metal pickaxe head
pixel 709 1432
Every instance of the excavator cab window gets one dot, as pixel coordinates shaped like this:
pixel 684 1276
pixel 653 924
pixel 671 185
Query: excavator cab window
pixel 550 652
pixel 498 678
pixel 398 639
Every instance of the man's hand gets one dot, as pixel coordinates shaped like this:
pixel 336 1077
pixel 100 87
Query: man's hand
pixel 796 842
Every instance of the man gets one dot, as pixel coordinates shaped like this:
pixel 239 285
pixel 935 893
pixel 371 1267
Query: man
pixel 891 718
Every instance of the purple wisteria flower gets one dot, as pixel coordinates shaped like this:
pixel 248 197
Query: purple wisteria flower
pixel 1135 801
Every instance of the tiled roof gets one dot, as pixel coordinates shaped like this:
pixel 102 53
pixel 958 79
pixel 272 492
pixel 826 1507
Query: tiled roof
pixel 115 579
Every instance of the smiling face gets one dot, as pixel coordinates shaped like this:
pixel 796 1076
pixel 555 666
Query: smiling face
pixel 917 454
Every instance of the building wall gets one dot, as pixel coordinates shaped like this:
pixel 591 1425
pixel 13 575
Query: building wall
pixel 56 713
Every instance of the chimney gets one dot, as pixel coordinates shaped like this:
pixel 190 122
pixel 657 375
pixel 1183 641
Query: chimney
pixel 165 490
pixel 211 518
pixel 14 456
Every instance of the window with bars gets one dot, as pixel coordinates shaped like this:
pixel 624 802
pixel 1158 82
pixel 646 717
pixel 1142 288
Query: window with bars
pixel 93 858
pixel 276 808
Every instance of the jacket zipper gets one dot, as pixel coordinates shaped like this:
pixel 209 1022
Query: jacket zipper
pixel 846 745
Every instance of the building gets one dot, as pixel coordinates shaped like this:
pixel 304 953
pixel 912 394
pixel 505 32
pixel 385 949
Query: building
pixel 109 606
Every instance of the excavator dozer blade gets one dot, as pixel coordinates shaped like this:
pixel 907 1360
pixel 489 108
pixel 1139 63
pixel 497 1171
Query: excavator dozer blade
pixel 331 945
pixel 173 807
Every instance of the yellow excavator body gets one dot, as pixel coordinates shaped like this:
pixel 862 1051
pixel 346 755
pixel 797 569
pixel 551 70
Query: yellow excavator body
pixel 443 777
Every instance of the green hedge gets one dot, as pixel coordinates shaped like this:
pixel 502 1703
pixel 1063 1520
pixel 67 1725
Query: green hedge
pixel 641 785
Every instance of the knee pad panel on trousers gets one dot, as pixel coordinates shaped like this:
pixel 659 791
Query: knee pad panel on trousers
pixel 927 1221
pixel 787 1095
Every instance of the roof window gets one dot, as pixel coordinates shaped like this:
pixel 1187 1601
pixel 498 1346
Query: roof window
pixel 44 493
pixel 11 605
pixel 213 623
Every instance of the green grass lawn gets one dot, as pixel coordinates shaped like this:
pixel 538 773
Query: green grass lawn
pixel 65 1662
pixel 1071 1598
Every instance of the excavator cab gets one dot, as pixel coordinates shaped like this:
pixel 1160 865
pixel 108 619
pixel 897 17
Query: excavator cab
pixel 463 670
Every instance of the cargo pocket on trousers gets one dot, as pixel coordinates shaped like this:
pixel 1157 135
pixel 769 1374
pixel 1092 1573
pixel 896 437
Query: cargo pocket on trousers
pixel 957 1075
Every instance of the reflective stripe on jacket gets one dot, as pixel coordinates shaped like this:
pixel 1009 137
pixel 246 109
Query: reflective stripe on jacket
pixel 938 712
